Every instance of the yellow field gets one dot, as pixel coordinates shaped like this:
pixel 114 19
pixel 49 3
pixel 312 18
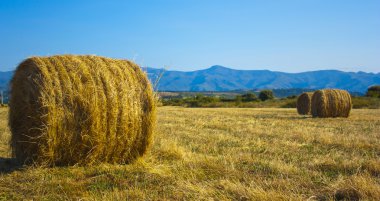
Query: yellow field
pixel 221 154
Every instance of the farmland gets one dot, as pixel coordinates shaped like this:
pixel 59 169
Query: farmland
pixel 221 154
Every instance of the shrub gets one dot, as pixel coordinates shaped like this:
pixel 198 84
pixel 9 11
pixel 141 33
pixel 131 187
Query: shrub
pixel 266 95
pixel 373 91
pixel 365 102
pixel 249 97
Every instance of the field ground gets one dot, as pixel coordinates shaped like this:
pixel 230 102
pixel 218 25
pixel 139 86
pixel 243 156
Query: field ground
pixel 221 154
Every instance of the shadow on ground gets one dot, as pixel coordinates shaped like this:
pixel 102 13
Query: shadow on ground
pixel 8 165
pixel 264 116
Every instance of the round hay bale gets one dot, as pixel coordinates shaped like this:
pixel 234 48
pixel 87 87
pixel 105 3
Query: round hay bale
pixel 331 103
pixel 304 103
pixel 69 109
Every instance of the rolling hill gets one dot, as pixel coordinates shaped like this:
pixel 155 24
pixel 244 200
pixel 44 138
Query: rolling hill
pixel 219 78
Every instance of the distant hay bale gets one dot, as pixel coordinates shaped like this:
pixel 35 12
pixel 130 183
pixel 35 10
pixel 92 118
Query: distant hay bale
pixel 69 109
pixel 331 103
pixel 304 103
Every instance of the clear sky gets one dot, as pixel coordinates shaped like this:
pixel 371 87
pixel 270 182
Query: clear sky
pixel 281 35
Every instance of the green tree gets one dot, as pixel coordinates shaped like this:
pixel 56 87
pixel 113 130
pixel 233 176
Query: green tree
pixel 249 97
pixel 266 95
pixel 238 100
pixel 373 91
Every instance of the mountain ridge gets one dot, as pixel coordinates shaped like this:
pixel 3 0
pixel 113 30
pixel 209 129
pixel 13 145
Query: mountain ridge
pixel 221 78
pixel 229 68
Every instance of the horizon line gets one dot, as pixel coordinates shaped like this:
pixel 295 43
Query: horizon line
pixel 188 71
pixel 331 69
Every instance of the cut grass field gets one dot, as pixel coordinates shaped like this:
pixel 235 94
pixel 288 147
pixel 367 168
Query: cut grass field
pixel 221 154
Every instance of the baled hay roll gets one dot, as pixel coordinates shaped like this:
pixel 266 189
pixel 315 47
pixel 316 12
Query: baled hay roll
pixel 304 103
pixel 331 103
pixel 69 109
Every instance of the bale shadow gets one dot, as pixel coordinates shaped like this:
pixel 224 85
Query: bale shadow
pixel 8 165
pixel 300 117
pixel 297 117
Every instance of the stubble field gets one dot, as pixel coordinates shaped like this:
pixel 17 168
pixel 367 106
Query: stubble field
pixel 221 154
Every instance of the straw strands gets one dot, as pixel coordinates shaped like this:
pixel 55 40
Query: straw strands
pixel 304 103
pixel 69 109
pixel 331 103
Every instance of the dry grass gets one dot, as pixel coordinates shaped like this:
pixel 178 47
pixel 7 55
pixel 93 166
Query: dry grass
pixel 222 154
pixel 71 109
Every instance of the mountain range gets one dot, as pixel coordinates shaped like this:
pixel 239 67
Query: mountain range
pixel 219 78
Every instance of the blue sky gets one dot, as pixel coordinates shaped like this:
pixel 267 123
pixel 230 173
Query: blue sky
pixel 289 36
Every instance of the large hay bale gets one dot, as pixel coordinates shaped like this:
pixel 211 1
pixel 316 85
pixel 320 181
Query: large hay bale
pixel 69 109
pixel 331 103
pixel 304 103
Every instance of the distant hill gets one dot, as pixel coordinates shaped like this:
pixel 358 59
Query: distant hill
pixel 219 78
pixel 5 77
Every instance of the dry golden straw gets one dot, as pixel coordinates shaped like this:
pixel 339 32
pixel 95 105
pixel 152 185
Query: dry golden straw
pixel 304 103
pixel 331 103
pixel 69 109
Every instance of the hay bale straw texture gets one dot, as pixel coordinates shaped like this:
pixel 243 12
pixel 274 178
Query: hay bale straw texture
pixel 304 103
pixel 331 103
pixel 70 109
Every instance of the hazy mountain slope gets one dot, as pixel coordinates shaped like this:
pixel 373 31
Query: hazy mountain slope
pixel 5 77
pixel 219 78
